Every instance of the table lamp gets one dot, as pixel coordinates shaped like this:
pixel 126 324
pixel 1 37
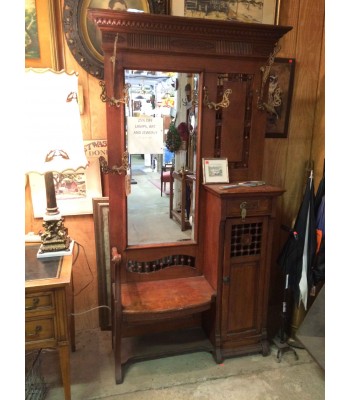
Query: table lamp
pixel 54 145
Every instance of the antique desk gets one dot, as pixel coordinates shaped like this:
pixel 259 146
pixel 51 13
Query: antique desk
pixel 48 307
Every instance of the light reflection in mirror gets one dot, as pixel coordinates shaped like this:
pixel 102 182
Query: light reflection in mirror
pixel 161 133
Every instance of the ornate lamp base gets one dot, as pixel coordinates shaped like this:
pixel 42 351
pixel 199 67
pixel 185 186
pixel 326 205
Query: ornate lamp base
pixel 55 237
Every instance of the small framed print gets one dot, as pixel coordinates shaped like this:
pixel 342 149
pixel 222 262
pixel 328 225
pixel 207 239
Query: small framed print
pixel 215 170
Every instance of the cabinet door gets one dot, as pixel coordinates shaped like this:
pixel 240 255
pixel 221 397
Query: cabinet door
pixel 244 287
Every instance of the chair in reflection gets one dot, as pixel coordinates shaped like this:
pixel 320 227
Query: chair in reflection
pixel 182 215
pixel 166 176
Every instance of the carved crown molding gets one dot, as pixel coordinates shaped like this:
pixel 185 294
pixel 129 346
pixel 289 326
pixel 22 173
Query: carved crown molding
pixel 163 32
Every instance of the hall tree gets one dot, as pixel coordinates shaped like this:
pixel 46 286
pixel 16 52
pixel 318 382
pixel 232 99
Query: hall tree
pixel 305 43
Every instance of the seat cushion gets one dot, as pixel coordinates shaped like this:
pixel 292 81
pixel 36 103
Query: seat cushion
pixel 166 176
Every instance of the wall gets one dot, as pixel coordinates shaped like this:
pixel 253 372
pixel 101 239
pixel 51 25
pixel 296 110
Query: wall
pixel 285 159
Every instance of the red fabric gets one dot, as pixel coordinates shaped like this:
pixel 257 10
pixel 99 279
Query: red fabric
pixel 166 176
pixel 318 239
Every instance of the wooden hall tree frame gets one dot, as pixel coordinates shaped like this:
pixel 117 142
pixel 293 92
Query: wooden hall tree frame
pixel 148 280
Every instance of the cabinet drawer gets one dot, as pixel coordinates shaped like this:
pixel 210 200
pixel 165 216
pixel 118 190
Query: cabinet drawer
pixel 39 329
pixel 39 301
pixel 259 206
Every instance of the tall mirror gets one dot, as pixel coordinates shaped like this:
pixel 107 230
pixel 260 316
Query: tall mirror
pixel 161 136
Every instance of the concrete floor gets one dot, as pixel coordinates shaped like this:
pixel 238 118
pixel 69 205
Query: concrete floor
pixel 187 377
pixel 148 211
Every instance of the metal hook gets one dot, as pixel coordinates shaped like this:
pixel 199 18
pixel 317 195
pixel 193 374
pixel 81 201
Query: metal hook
pixel 112 100
pixel 262 106
pixel 224 103
pixel 115 169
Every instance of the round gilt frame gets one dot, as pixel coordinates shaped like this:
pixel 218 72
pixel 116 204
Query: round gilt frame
pixel 83 38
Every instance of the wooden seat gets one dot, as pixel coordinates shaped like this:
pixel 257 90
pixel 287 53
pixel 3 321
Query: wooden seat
pixel 166 176
pixel 148 307
pixel 165 298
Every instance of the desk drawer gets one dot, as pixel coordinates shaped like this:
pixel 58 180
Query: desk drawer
pixel 39 329
pixel 39 301
pixel 253 206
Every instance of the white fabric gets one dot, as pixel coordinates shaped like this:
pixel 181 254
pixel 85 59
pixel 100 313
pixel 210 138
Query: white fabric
pixel 303 286
pixel 51 123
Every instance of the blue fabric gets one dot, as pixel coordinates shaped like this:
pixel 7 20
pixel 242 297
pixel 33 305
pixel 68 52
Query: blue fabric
pixel 168 156
pixel 320 217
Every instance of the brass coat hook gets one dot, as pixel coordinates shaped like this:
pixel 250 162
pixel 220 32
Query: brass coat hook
pixel 224 103
pixel 115 169
pixel 112 101
pixel 265 70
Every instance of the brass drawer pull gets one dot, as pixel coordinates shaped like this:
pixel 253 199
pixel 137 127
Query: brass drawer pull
pixel 243 207
pixel 38 328
pixel 35 304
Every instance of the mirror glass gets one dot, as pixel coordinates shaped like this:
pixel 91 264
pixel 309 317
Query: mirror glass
pixel 161 136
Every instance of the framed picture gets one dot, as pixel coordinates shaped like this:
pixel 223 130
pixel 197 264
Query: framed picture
pixel 215 170
pixel 74 191
pixel 43 44
pixel 265 11
pixel 101 226
pixel 84 39
pixel 280 92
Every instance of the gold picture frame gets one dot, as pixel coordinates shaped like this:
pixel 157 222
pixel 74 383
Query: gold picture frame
pixel 43 33
pixel 264 12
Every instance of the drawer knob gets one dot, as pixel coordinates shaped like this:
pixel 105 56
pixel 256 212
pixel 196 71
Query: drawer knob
pixel 35 303
pixel 38 328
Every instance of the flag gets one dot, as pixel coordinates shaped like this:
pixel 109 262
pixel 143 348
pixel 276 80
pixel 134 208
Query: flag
pixel 298 253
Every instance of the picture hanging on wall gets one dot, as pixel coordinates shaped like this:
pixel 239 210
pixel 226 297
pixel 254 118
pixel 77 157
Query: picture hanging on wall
pixel 42 43
pixel 74 191
pixel 264 11
pixel 279 97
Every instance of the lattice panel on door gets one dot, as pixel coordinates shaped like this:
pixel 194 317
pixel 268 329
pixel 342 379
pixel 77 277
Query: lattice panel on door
pixel 246 239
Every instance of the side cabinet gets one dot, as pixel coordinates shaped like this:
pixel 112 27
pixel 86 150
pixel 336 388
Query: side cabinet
pixel 240 241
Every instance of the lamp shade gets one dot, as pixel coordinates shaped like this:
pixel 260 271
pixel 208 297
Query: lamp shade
pixel 54 140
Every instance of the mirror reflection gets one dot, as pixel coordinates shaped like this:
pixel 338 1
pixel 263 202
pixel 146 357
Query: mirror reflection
pixel 161 137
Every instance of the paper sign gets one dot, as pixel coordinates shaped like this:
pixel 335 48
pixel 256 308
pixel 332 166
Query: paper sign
pixel 145 135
